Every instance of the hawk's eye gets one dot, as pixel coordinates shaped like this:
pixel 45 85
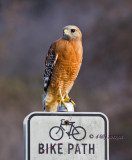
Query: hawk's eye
pixel 72 30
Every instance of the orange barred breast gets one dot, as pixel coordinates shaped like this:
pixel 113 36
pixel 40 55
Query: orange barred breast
pixel 64 76
pixel 66 68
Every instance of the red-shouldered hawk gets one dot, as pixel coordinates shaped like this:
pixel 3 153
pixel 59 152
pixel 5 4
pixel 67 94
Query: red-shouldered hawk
pixel 62 65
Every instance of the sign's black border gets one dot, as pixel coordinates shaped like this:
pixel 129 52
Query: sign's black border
pixel 68 114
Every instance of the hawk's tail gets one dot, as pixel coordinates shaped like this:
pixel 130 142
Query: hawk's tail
pixel 50 104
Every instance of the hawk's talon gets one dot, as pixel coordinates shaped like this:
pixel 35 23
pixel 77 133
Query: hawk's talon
pixel 62 101
pixel 68 99
pixel 73 103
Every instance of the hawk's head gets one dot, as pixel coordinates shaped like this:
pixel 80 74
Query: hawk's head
pixel 72 32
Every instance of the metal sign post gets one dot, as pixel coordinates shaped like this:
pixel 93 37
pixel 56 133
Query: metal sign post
pixel 66 135
pixel 70 108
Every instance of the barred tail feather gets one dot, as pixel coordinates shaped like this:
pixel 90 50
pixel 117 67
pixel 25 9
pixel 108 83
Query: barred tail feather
pixel 44 99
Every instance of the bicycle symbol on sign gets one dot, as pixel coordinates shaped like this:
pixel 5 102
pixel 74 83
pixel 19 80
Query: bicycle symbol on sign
pixel 57 132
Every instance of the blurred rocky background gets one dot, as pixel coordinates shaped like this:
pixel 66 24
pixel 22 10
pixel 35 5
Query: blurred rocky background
pixel 104 84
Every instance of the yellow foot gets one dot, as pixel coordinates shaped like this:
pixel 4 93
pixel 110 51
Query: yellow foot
pixel 68 99
pixel 62 101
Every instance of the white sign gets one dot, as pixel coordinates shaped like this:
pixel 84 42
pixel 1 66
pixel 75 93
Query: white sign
pixel 66 136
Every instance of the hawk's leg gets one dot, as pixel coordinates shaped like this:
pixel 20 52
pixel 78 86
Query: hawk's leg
pixel 68 99
pixel 61 100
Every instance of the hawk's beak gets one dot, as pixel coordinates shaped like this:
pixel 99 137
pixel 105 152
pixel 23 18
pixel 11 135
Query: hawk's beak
pixel 66 32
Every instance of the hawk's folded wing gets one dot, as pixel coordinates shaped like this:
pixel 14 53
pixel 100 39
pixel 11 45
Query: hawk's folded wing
pixel 49 65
